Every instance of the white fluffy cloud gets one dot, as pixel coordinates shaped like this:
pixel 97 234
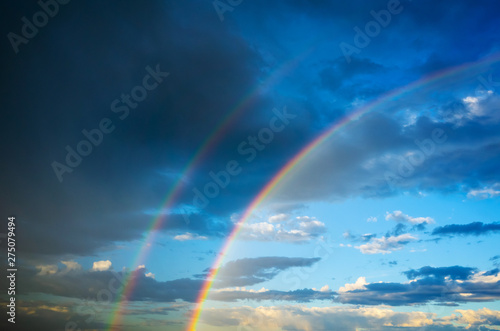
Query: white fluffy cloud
pixel 101 265
pixel 386 245
pixel 358 285
pixel 398 216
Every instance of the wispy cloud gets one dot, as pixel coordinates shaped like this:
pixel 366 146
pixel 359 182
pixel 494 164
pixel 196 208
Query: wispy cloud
pixel 386 245
pixel 470 229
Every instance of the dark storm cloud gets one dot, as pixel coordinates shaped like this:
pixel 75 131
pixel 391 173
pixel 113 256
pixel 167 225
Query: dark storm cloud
pixel 471 229
pixel 73 70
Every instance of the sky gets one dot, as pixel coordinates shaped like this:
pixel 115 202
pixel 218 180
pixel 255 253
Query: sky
pixel 243 165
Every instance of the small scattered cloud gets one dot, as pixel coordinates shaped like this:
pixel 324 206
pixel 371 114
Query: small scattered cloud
pixel 358 285
pixel 48 269
pixel 398 216
pixel 296 230
pixel 371 219
pixel 278 218
pixel 101 265
pixel 189 236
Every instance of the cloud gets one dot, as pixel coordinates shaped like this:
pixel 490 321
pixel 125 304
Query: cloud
pixel 371 219
pixel 47 269
pixel 476 318
pixel 301 296
pixel 496 260
pixel 90 284
pixel 485 193
pixel 296 230
pixel 398 216
pixel 251 271
pixel 71 265
pixel 101 265
pixel 302 318
pixel 444 285
pixel 278 218
pixel 74 282
pixel 49 316
pixel 189 236
pixel 315 318
pixel 473 229
pixel 386 245
pixel 358 285
pixel 454 273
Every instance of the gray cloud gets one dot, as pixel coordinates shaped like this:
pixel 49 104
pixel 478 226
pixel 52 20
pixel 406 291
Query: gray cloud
pixel 251 271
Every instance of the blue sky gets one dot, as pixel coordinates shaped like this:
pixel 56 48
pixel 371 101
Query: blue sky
pixel 391 223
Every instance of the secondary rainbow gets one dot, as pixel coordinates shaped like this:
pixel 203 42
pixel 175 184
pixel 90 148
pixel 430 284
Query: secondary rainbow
pixel 176 189
pixel 278 177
